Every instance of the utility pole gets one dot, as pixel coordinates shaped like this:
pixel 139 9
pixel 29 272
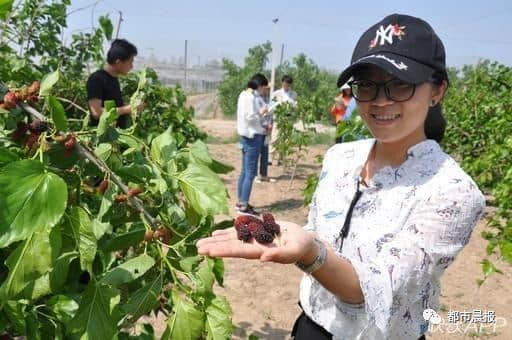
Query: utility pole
pixel 282 53
pixel 119 23
pixel 273 63
pixel 185 80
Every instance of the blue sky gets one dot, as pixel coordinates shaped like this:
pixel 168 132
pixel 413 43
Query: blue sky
pixel 325 31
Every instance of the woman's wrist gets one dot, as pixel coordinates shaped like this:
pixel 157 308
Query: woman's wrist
pixel 311 254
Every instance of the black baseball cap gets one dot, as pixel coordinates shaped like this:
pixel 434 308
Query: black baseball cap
pixel 402 45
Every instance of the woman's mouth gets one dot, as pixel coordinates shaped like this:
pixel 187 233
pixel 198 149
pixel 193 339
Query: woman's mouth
pixel 384 119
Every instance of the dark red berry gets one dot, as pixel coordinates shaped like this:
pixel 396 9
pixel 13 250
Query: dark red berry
pixel 263 237
pixel 272 228
pixel 244 234
pixel 10 100
pixel 245 220
pixel 33 89
pixel 134 192
pixel 32 140
pixel 20 133
pixel 38 126
pixel 103 186
pixel 255 227
pixel 268 218
pixel 120 198
pixel 70 143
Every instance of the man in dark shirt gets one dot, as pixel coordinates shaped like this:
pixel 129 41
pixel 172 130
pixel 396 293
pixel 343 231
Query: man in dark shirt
pixel 104 85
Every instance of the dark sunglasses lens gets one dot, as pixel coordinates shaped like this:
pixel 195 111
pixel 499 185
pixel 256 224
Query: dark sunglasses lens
pixel 364 90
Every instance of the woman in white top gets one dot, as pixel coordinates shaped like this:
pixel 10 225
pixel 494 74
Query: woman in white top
pixel 390 213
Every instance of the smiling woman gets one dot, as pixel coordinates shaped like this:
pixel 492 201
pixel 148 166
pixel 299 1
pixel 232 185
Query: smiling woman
pixel 389 214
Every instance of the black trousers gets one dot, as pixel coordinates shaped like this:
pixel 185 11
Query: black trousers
pixel 306 329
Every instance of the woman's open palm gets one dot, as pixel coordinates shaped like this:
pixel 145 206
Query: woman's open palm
pixel 289 247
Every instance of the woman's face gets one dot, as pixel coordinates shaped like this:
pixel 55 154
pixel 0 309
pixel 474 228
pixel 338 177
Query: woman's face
pixel 391 121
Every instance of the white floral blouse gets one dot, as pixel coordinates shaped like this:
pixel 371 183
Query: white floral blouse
pixel 406 228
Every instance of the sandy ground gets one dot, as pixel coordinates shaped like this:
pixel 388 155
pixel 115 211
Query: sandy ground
pixel 264 296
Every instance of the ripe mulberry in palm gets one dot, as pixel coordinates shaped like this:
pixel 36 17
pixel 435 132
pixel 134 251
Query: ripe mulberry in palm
pixel 244 234
pixel 263 237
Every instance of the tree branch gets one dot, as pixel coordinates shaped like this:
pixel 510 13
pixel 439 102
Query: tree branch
pixel 85 153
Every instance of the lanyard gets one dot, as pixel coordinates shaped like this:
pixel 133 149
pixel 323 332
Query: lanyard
pixel 346 225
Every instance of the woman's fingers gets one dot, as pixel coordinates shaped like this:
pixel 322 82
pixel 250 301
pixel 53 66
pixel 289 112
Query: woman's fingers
pixel 230 248
pixel 218 236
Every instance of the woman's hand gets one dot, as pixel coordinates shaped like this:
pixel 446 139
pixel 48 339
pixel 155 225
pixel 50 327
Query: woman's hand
pixel 293 245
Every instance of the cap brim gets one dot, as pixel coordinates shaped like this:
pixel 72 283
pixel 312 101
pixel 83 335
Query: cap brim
pixel 403 68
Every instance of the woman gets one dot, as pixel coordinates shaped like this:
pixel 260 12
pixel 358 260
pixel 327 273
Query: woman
pixel 252 136
pixel 390 213
pixel 342 108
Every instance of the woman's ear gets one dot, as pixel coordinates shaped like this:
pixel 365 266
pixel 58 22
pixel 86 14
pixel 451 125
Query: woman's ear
pixel 438 91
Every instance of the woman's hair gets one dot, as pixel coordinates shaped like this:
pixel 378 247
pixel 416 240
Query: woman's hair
pixel 121 49
pixel 435 124
pixel 256 81
pixel 287 79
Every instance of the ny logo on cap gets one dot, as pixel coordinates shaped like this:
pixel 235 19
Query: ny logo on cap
pixel 384 35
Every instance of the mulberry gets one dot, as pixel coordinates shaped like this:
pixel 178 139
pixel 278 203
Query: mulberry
pixel 272 228
pixel 70 143
pixel 38 126
pixel 263 237
pixel 244 234
pixel 134 192
pixel 103 186
pixel 10 100
pixel 268 218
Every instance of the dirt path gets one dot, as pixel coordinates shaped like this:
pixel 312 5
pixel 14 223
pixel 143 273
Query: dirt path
pixel 264 296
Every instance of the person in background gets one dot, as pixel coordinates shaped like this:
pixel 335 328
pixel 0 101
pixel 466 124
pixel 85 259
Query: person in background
pixel 263 101
pixel 284 95
pixel 252 135
pixel 391 213
pixel 103 84
pixel 344 105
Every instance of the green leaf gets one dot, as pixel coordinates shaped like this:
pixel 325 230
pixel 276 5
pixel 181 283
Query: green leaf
pixel 204 190
pixel 489 269
pixel 63 307
pixel 94 319
pixel 103 150
pixel 221 168
pixel 7 157
pixel 83 234
pixel 107 118
pixel 506 251
pixel 125 240
pixel 16 313
pixel 203 279
pixel 137 173
pixel 50 282
pixel 128 271
pixel 163 147
pixel 47 83
pixel 106 26
pixel 5 8
pixel 31 199
pixel 30 260
pixel 217 265
pixel 187 322
pixel 144 299
pixel 58 114
pixel 218 319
